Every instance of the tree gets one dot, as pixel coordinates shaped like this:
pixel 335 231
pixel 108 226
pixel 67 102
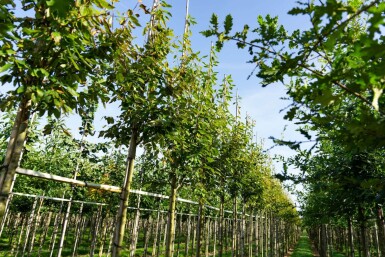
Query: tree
pixel 46 58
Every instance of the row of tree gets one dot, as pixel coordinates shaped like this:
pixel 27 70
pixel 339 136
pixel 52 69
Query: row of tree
pixel 334 74
pixel 70 56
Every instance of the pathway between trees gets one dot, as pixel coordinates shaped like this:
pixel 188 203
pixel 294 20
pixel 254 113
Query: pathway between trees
pixel 303 247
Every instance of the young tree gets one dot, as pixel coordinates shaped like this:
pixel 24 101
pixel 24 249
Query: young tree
pixel 49 55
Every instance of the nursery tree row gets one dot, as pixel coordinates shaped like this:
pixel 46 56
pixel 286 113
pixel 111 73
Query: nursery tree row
pixel 60 58
pixel 333 70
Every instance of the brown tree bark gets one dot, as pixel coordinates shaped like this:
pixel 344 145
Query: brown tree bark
pixel 124 197
pixel 14 151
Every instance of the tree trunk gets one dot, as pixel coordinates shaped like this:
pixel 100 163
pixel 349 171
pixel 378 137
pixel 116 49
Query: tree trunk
pixel 170 236
pixel 234 229
pixel 156 236
pixel 250 235
pixel 135 229
pixel 95 230
pixel 323 241
pixel 188 236
pixel 351 239
pixel 44 234
pixel 221 219
pixel 124 197
pixel 13 154
pixel 381 230
pixel 29 225
pixel 364 240
pixel 77 230
pixel 199 230
pixel 207 236
pixel 37 221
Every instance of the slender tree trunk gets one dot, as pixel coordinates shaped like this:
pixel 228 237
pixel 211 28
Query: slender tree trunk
pixel 55 228
pixel 135 229
pixel 37 221
pixel 156 236
pixel 257 238
pixel 180 227
pixel 207 236
pixel 234 228
pixel 147 234
pixel 194 234
pixel 364 240
pixel 95 230
pixel 324 242
pixel 215 236
pixel 171 218
pixel 199 230
pixel 221 220
pixel 104 236
pixel 188 235
pixel 13 154
pixel 44 233
pixel 124 197
pixel 351 238
pixel 68 211
pixel 250 235
pixel 77 231
pixel 29 225
pixel 271 233
pixel 381 230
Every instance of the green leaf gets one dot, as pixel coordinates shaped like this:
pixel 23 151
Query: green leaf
pixel 228 24
pixel 72 92
pixel 5 67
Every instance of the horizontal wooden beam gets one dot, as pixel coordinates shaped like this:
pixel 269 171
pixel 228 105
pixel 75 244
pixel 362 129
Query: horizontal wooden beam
pixel 108 188
pixel 71 181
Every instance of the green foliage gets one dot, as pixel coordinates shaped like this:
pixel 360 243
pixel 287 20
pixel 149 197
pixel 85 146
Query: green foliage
pixel 54 55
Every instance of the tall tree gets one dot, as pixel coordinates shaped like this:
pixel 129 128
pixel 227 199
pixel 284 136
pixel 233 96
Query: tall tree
pixel 52 52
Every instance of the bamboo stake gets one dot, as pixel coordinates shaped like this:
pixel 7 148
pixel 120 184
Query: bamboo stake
pixel 29 224
pixel 95 230
pixel 77 231
pixel 148 227
pixel 37 219
pixel 55 225
pixel 24 223
pixel 45 231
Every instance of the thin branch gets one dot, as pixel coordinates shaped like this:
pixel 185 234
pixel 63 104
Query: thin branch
pixel 319 74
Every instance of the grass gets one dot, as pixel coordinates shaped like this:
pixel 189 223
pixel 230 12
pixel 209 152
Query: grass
pixel 303 247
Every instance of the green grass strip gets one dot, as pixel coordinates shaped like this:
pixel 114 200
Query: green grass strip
pixel 303 247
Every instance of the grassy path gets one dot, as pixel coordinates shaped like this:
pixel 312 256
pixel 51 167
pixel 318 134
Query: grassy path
pixel 303 247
